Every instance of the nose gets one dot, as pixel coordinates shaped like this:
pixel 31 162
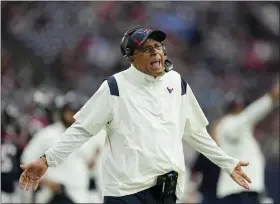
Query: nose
pixel 153 50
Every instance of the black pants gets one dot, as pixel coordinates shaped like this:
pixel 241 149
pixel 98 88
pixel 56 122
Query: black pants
pixel 61 199
pixel 241 198
pixel 149 196
pixel 209 200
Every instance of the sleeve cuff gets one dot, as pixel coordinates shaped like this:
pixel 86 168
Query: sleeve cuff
pixel 50 163
pixel 231 166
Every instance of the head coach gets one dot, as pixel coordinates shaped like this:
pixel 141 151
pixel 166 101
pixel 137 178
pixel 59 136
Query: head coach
pixel 146 110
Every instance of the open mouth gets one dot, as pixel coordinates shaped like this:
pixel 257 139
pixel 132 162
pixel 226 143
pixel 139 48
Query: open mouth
pixel 155 63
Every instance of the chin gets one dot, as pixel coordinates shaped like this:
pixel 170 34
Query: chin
pixel 158 69
pixel 157 72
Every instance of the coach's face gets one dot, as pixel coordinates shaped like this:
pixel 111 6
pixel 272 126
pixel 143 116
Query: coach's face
pixel 149 58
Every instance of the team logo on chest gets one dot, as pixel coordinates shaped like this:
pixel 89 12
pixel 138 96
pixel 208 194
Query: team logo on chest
pixel 169 90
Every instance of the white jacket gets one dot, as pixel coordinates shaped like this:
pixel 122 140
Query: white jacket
pixel 235 137
pixel 146 122
pixel 73 173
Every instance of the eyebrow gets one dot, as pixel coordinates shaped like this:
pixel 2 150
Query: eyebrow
pixel 156 43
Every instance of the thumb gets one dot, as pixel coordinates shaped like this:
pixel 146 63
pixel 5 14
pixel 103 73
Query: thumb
pixel 242 163
pixel 24 167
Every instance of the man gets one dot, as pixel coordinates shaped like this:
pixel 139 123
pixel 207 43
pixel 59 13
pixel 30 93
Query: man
pixel 56 185
pixel 147 110
pixel 235 136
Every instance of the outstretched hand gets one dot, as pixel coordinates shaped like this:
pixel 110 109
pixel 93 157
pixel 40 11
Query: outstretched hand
pixel 32 174
pixel 239 176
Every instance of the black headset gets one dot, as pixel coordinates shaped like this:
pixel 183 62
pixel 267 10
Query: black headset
pixel 127 52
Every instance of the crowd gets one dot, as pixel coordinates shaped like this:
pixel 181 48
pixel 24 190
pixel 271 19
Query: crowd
pixel 218 47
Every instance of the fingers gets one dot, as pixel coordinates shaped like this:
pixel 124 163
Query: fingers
pixel 35 185
pixel 244 163
pixel 242 182
pixel 246 178
pixel 23 167
pixel 29 184
pixel 32 184
pixel 23 180
pixel 27 181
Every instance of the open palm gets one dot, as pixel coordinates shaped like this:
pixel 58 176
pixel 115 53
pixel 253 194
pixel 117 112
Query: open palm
pixel 239 176
pixel 32 174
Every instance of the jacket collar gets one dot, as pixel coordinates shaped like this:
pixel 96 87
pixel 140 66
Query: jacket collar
pixel 143 78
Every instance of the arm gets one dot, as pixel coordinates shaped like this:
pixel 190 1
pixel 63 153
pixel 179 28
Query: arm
pixel 254 113
pixel 92 150
pixel 74 137
pixel 257 110
pixel 203 143
pixel 196 135
pixel 89 121
pixel 213 130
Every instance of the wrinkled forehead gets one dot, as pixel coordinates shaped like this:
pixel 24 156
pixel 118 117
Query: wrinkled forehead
pixel 150 41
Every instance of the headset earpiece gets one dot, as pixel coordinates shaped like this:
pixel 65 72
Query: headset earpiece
pixel 167 64
pixel 164 50
pixel 127 51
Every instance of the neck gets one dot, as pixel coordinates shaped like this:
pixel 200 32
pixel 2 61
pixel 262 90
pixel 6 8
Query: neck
pixel 149 73
pixel 139 76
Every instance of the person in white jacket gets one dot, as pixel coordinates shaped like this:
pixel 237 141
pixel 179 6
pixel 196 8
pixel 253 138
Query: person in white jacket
pixel 63 184
pixel 147 110
pixel 235 135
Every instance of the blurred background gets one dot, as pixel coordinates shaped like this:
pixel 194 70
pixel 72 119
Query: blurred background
pixel 49 49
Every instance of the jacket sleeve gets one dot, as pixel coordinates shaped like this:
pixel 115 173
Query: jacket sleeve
pixel 97 111
pixel 90 119
pixel 251 115
pixel 196 135
pixel 203 143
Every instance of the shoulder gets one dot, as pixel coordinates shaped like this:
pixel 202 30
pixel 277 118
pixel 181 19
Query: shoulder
pixel 117 75
pixel 176 77
pixel 113 82
pixel 173 75
pixel 50 131
pixel 114 78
